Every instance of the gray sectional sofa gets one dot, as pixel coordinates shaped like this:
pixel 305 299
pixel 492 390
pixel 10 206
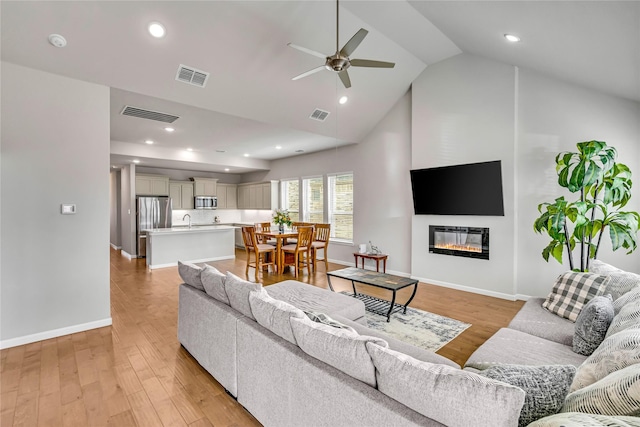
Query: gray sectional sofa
pixel 287 370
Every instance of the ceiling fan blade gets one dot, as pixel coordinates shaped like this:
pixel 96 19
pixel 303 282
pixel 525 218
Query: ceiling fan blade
pixel 305 50
pixel 370 63
pixel 344 76
pixel 355 41
pixel 308 73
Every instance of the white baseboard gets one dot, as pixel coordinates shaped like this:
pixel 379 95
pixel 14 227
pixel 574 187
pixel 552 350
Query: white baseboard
pixel 54 333
pixel 115 247
pixel 126 255
pixel 194 261
pixel 521 297
pixel 467 288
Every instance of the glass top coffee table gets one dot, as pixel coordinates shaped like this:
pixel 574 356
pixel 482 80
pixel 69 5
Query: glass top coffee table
pixel 379 280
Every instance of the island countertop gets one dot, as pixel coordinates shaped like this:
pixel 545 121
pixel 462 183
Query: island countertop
pixel 193 229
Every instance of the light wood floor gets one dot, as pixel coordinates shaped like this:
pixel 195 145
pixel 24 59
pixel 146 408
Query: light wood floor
pixel 135 373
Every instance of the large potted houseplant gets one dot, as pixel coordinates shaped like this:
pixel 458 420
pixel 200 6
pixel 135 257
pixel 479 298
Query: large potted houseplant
pixel 603 187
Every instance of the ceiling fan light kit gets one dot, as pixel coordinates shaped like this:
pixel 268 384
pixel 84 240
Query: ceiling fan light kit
pixel 341 61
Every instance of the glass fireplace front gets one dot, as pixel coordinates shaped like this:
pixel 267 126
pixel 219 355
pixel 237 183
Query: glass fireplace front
pixel 472 242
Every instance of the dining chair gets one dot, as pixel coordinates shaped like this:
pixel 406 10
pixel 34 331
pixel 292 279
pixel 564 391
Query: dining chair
pixel 294 228
pixel 301 250
pixel 251 244
pixel 320 242
pixel 263 227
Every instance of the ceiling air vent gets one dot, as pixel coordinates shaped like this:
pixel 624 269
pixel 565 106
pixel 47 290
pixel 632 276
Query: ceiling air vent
pixel 148 114
pixel 192 76
pixel 319 115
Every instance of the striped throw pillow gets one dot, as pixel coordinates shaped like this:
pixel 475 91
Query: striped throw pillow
pixel 579 419
pixel 572 291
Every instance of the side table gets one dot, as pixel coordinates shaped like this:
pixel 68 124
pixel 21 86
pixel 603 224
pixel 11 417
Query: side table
pixel 377 257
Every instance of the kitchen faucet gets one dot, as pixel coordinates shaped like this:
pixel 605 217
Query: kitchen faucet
pixel 187 215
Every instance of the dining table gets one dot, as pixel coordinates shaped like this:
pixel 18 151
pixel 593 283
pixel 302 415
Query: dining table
pixel 280 239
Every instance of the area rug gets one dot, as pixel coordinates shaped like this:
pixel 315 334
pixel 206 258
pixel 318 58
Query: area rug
pixel 419 328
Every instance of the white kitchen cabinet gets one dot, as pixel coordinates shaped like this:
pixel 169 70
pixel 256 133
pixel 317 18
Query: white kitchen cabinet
pixel 227 198
pixel 152 185
pixel 260 195
pixel 181 193
pixel 205 186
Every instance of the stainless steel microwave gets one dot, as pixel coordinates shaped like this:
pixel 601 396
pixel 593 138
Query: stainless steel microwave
pixel 205 202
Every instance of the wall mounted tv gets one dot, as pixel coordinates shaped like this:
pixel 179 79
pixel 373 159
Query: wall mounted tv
pixel 470 189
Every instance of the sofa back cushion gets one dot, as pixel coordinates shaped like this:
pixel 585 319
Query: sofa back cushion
pixel 572 291
pixel 627 318
pixel 190 273
pixel 445 394
pixel 341 348
pixel 238 292
pixel 274 314
pixel 213 282
pixel 630 297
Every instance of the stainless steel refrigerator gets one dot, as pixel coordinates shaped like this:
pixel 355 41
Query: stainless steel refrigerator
pixel 151 212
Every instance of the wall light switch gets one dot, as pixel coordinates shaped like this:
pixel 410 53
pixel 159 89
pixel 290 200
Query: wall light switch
pixel 66 209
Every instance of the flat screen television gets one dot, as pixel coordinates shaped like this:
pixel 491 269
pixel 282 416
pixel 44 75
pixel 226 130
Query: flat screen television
pixel 470 189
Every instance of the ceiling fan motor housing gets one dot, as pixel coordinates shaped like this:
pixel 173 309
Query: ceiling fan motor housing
pixel 337 63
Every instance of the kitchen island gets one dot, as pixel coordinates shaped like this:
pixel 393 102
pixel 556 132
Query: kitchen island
pixel 167 246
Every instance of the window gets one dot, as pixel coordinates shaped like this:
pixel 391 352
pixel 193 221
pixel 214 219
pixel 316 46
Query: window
pixel 341 206
pixel 290 198
pixel 313 199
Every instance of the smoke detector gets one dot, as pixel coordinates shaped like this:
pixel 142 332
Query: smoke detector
pixel 57 40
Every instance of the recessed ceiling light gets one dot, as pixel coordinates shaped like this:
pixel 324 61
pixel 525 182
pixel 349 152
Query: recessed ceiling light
pixel 148 141
pixel 343 100
pixel 136 161
pixel 57 40
pixel 278 147
pixel 226 169
pixel 169 129
pixel 157 30
pixel 512 38
pixel 246 154
pixel 189 149
pixel 220 151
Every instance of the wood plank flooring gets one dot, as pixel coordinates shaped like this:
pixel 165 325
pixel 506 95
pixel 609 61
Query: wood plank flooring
pixel 135 373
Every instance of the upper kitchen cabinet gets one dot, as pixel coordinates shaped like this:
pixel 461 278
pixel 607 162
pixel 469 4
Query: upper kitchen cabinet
pixel 259 195
pixel 227 196
pixel 152 185
pixel 181 193
pixel 205 186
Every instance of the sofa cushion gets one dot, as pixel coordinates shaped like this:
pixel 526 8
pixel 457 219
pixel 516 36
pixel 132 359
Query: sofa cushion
pixel 340 348
pixel 434 390
pixel 572 291
pixel 508 346
pixel 238 292
pixel 213 282
pixel 311 298
pixel 592 324
pixel 616 394
pixel 545 387
pixel 601 267
pixel 628 298
pixel 616 352
pixel 627 318
pixel 578 419
pixel 621 282
pixel 274 314
pixel 190 273
pixel 540 322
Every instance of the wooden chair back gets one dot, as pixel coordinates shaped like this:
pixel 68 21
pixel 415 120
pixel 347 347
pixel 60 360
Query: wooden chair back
pixel 248 237
pixel 305 237
pixel 262 227
pixel 322 232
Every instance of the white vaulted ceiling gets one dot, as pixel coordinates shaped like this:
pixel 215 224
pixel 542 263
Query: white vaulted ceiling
pixel 250 104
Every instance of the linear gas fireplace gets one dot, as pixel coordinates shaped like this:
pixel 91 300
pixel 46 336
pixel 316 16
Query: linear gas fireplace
pixel 472 242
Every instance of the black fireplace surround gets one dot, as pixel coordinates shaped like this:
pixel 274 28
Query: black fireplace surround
pixel 471 242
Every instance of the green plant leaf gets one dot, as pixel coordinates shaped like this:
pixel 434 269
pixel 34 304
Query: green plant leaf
pixel 557 252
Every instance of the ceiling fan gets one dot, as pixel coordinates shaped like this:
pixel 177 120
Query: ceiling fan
pixel 340 61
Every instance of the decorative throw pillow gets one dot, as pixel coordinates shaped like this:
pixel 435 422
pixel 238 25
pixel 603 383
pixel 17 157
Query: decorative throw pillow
pixel 340 348
pixel 616 394
pixel 600 267
pixel 190 273
pixel 592 324
pixel 238 292
pixel 434 390
pixel 572 291
pixel 318 317
pixel 630 297
pixel 274 314
pixel 545 387
pixel 621 282
pixel 578 419
pixel 616 352
pixel 627 318
pixel 213 282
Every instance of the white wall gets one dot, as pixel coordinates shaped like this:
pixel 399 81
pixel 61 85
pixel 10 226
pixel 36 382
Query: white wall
pixel 55 275
pixel 114 209
pixel 470 109
pixel 463 113
pixel 382 188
